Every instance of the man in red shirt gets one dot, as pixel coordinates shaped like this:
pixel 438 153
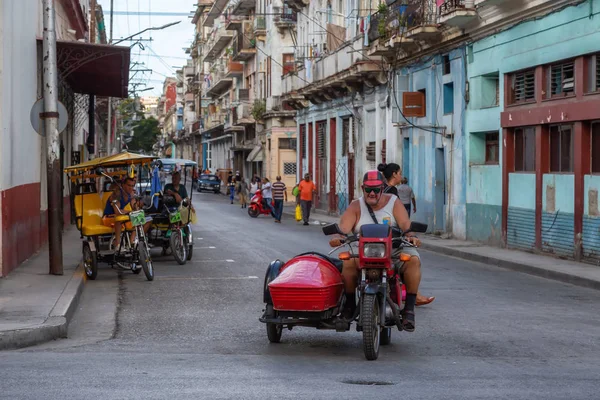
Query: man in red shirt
pixel 307 188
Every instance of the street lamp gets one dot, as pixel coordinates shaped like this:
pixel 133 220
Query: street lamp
pixel 155 28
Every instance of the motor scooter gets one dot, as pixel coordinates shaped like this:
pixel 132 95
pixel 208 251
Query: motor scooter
pixel 258 205
pixel 308 290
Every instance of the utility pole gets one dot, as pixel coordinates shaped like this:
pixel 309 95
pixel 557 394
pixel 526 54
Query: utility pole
pixel 50 117
pixel 109 130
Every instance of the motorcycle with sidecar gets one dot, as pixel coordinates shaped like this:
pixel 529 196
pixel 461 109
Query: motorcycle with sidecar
pixel 308 290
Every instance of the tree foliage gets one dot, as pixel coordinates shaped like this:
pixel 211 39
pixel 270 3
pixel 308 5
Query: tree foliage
pixel 145 134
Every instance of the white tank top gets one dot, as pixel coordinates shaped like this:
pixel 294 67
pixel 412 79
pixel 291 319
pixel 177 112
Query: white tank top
pixel 384 215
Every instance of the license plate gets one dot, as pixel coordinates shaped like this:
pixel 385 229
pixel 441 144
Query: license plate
pixel 175 217
pixel 137 218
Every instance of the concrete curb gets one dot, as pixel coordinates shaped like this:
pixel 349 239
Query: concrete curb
pixel 515 266
pixel 56 325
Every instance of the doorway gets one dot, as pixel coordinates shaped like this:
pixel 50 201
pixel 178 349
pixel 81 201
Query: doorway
pixel 440 190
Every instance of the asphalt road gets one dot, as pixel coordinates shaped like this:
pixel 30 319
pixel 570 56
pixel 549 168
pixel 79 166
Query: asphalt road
pixel 194 333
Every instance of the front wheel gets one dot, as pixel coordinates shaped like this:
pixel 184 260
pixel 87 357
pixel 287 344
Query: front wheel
pixel 90 262
pixel 190 243
pixel 145 260
pixel 370 325
pixel 253 211
pixel 178 246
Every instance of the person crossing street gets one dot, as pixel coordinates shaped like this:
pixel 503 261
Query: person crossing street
pixel 279 195
pixel 307 190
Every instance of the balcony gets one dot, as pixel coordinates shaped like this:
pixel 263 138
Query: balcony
pixel 234 69
pixel 259 26
pixel 202 5
pixel 297 5
pixel 220 82
pixel 456 13
pixel 334 76
pixel 244 48
pixel 277 107
pixel 284 18
pixel 421 20
pixel 215 11
pixel 240 96
pixel 485 3
pixel 242 7
pixel 214 120
pixel 242 143
pixel 218 40
pixel 234 22
pixel 188 71
pixel 242 115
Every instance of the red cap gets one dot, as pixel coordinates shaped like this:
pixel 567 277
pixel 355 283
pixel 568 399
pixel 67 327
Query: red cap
pixel 373 178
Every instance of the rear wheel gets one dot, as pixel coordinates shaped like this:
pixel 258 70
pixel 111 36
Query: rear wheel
pixel 146 260
pixel 190 243
pixel 253 211
pixel 178 247
pixel 90 262
pixel 370 325
pixel 274 332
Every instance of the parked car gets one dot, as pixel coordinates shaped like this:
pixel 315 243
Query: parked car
pixel 209 182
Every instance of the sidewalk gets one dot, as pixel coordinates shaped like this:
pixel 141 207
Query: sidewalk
pixel 36 307
pixel 572 272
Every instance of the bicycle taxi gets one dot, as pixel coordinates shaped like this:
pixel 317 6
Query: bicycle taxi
pixel 89 201
pixel 171 227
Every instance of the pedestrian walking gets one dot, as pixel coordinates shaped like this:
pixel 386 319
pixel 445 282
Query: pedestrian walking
pixel 268 195
pixel 406 195
pixel 307 189
pixel 231 186
pixel 242 190
pixel 279 195
pixel 253 188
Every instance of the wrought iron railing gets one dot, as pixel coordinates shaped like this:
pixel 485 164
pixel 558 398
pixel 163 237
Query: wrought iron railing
pixel 451 5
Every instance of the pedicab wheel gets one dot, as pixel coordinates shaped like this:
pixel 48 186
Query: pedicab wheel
pixel 190 246
pixel 178 247
pixel 274 332
pixel 385 337
pixel 90 262
pixel 146 261
pixel 370 322
pixel 253 212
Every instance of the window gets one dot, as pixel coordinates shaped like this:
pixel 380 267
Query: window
pixel 490 90
pixel 287 144
pixel 446 64
pixel 448 98
pixel 525 149
pixel 561 148
pixel 595 133
pixel 371 152
pixel 321 140
pixel 492 148
pixel 593 73
pixel 289 168
pixel 561 79
pixel 523 87
pixel 303 141
pixel 209 156
pixel 288 63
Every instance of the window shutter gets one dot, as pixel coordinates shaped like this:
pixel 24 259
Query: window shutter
pixel 524 86
pixel 321 140
pixel 413 104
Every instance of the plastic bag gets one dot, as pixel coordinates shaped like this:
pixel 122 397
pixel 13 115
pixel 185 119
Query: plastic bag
pixel 298 213
pixel 184 216
pixel 295 191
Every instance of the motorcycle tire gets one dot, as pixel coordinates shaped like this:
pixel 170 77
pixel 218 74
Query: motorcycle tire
pixel 385 337
pixel 253 212
pixel 274 332
pixel 178 247
pixel 90 262
pixel 370 325
pixel 146 260
pixel 190 244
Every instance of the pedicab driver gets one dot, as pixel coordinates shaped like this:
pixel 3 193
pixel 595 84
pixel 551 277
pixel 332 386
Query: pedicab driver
pixel 387 209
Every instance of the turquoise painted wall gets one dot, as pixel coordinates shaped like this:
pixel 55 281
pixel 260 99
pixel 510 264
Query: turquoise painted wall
pixel 438 164
pixel 591 183
pixel 561 35
pixel 521 191
pixel 564 189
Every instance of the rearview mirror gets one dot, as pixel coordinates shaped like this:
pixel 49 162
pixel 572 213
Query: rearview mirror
pixel 418 227
pixel 332 229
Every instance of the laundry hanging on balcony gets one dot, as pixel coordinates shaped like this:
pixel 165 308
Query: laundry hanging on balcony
pixel 367 25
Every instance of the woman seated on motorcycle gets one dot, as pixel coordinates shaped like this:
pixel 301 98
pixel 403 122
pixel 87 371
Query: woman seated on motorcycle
pixel 175 189
pixel 386 209
pixel 393 176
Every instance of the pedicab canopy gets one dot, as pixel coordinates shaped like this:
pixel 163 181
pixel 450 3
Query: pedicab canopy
pixel 122 159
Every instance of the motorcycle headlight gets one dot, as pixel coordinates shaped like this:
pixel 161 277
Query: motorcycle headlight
pixel 374 250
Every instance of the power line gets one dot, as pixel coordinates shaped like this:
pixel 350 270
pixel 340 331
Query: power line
pixel 150 13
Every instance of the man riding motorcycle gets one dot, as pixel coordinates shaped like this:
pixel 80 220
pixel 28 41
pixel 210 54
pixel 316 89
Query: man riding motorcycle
pixel 374 206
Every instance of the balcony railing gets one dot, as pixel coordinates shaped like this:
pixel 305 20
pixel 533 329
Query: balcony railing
pixel 244 47
pixel 259 24
pixel 408 15
pixel 219 38
pixel 451 5
pixel 284 15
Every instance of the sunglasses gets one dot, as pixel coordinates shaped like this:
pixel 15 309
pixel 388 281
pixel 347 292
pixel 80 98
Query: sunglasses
pixel 368 190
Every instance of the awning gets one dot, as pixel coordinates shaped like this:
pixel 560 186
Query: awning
pixel 255 155
pixel 91 68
